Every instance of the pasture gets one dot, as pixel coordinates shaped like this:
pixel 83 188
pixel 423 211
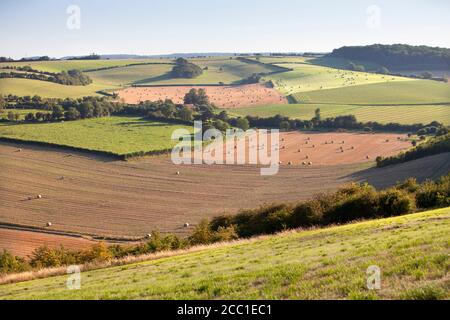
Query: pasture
pixel 308 77
pixel 388 93
pixel 221 96
pixel 216 70
pixel 83 65
pixel 21 112
pixel 330 263
pixel 45 89
pixel 116 135
pixel 403 114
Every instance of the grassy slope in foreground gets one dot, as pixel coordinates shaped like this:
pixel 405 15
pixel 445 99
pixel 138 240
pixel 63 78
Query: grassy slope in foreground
pixel 383 114
pixel 391 93
pixel 412 252
pixel 118 135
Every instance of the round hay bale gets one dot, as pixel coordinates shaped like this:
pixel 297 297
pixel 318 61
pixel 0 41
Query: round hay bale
pixel 49 224
pixel 39 196
pixel 186 225
pixel 148 236
pixel 19 150
pixel 367 157
pixel 178 173
pixel 290 163
pixel 307 156
pixel 310 163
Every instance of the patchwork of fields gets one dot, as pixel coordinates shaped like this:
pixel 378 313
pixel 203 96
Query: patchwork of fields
pixel 403 114
pixel 116 135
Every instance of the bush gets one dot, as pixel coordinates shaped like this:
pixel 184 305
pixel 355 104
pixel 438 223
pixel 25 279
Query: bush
pixel 431 194
pixel 12 264
pixel 394 202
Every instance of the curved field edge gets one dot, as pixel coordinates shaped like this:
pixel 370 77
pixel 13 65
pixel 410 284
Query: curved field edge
pixel 117 136
pixel 403 114
pixel 411 252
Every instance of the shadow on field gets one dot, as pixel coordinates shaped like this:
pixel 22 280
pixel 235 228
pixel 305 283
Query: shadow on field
pixel 163 77
pixel 422 169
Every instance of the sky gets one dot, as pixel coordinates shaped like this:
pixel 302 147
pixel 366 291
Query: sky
pixel 60 28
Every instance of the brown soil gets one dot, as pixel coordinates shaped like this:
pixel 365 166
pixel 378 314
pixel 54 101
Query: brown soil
pixel 23 243
pixel 87 194
pixel 221 96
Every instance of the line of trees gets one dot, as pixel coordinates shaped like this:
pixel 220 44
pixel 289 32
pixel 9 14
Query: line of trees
pixel 350 203
pixel 398 56
pixel 436 145
pixel 70 78
pixel 185 69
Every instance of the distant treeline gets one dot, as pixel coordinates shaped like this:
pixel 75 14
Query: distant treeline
pixel 398 56
pixel 350 203
pixel 43 58
pixel 70 78
pixel 436 145
pixel 89 57
pixel 62 109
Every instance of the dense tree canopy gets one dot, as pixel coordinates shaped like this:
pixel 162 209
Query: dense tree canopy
pixel 186 69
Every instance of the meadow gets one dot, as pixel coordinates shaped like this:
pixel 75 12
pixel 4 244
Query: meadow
pixel 404 114
pixel 83 65
pixel 411 252
pixel 45 89
pixel 308 77
pixel 21 112
pixel 216 70
pixel 117 135
pixel 388 93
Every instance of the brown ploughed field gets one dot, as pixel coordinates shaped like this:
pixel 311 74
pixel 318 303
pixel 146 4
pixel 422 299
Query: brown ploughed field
pixel 23 243
pixel 322 149
pixel 88 194
pixel 221 96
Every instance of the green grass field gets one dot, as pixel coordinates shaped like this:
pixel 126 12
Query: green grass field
pixel 411 252
pixel 221 69
pixel 22 112
pixel 383 114
pixel 131 74
pixel 118 135
pixel 308 77
pixel 45 89
pixel 83 65
pixel 392 93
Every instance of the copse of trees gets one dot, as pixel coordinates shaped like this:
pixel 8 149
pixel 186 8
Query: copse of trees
pixel 398 56
pixel 185 69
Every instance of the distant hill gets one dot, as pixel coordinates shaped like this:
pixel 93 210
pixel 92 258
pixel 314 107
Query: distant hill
pixel 398 56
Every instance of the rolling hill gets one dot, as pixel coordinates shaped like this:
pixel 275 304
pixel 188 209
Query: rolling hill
pixel 411 253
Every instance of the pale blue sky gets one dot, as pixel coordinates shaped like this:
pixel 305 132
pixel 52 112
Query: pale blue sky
pixel 38 27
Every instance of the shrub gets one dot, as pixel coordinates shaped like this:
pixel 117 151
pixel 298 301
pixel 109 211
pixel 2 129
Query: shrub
pixel 12 264
pixel 394 202
pixel 357 202
pixel 431 194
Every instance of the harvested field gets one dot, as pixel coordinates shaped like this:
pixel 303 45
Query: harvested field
pixel 321 149
pixel 23 243
pixel 89 194
pixel 222 96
